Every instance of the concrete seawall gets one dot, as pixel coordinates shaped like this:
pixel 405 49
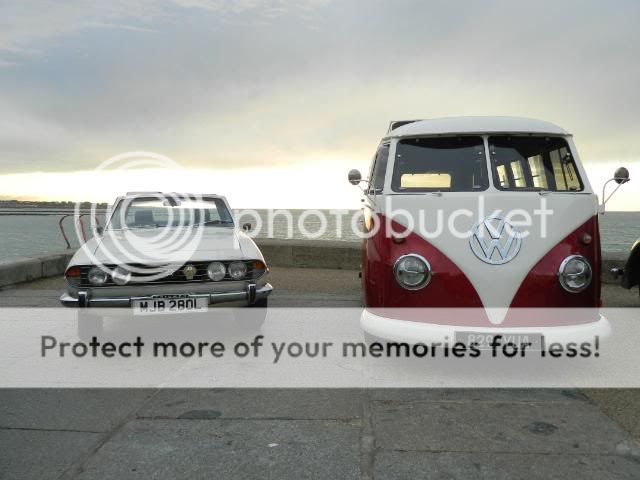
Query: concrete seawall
pixel 25 269
pixel 278 253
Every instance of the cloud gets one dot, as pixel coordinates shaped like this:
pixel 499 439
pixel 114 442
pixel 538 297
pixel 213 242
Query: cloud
pixel 28 21
pixel 240 84
pixel 120 26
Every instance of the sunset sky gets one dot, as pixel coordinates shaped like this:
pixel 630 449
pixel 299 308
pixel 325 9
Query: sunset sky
pixel 271 103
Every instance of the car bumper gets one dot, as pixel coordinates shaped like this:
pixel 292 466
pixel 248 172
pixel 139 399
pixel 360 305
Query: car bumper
pixel 414 332
pixel 250 295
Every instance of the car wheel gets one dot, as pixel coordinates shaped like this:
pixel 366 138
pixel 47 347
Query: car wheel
pixel 89 326
pixel 252 317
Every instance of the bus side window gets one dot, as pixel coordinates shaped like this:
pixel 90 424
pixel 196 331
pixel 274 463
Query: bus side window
pixel 538 174
pixel 502 176
pixel 379 169
pixel 518 174
pixel 564 170
pixel 558 171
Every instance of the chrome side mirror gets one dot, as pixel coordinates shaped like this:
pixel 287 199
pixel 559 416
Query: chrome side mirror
pixel 620 176
pixel 246 227
pixel 355 177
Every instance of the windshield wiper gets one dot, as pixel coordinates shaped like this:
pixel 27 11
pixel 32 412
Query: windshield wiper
pixel 215 222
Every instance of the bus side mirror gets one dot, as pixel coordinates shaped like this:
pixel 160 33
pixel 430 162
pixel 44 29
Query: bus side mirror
pixel 620 176
pixel 355 177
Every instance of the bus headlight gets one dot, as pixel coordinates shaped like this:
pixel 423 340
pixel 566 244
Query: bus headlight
pixel 412 272
pixel 575 273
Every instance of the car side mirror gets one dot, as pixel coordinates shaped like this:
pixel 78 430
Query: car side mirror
pixel 620 176
pixel 246 227
pixel 355 177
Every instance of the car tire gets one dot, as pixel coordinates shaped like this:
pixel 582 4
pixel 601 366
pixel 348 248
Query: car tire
pixel 89 326
pixel 252 317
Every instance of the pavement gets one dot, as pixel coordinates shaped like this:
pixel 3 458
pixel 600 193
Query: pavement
pixel 315 433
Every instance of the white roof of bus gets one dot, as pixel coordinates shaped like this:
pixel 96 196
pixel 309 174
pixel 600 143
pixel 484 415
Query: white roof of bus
pixel 465 125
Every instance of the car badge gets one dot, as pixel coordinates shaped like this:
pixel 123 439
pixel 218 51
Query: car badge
pixel 495 241
pixel 189 272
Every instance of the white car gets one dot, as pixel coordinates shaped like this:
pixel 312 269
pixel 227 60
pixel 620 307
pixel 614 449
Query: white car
pixel 166 253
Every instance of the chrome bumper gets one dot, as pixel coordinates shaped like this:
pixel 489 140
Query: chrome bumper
pixel 251 294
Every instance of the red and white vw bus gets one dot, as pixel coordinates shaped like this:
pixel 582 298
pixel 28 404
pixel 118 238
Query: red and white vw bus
pixel 491 214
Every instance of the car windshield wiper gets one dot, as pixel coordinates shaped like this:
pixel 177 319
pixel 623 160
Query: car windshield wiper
pixel 142 226
pixel 215 222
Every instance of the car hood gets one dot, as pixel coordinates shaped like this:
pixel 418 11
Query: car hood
pixel 174 245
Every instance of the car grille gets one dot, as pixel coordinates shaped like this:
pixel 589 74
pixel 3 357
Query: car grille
pixel 176 277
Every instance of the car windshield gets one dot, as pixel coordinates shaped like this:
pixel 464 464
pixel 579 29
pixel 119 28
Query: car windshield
pixel 533 163
pixel 453 164
pixel 172 211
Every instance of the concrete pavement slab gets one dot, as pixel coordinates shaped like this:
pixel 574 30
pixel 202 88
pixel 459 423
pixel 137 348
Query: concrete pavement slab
pixel 620 404
pixel 495 427
pixel 313 300
pixel 257 403
pixel 39 454
pixel 527 395
pixel 319 280
pixel 194 449
pixel 502 466
pixel 90 410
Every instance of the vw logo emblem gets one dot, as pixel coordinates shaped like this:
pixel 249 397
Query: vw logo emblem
pixel 495 241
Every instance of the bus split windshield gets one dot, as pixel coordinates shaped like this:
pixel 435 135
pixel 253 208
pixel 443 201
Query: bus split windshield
pixel 447 164
pixel 533 163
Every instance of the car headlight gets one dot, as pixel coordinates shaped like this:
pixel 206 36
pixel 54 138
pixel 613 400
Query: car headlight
pixel 121 276
pixel 97 276
pixel 575 273
pixel 216 271
pixel 237 270
pixel 412 272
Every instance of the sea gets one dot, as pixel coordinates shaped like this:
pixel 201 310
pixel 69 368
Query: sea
pixel 35 231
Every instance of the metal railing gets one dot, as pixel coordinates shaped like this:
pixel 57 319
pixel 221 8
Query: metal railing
pixel 79 224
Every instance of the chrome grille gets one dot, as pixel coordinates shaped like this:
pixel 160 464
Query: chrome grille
pixel 177 277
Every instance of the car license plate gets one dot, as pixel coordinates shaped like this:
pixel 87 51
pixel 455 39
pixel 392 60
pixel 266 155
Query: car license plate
pixel 483 339
pixel 170 305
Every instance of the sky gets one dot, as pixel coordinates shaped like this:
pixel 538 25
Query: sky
pixel 272 102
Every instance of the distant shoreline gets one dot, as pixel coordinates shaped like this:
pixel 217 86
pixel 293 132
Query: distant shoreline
pixel 15 207
pixel 22 204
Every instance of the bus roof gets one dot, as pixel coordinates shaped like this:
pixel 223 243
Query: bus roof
pixel 469 125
